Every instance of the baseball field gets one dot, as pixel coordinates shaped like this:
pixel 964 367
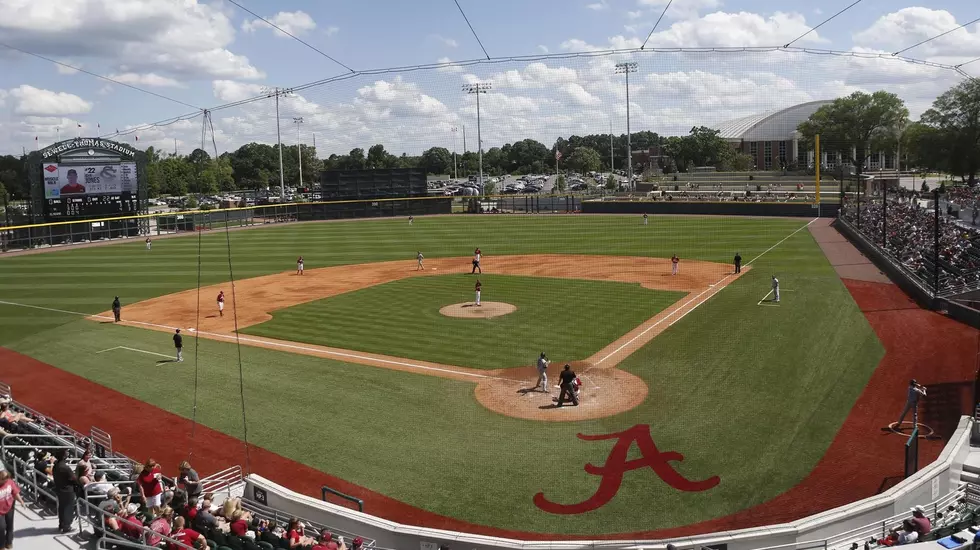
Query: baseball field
pixel 701 395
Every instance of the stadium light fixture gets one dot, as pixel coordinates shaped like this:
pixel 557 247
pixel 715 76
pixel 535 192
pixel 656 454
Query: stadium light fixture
pixel 299 145
pixel 478 88
pixel 627 68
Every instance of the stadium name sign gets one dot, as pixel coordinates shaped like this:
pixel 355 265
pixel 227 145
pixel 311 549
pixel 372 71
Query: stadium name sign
pixel 88 143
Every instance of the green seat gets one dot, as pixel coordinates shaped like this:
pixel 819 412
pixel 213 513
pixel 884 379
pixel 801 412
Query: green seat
pixel 212 545
pixel 265 545
pixel 223 548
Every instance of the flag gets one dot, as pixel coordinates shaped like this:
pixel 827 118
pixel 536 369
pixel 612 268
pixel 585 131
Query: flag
pixel 35 138
pixel 79 125
pixel 557 155
pixel 137 138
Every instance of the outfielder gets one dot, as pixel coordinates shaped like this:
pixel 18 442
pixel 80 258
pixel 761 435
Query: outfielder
pixel 149 244
pixel 478 287
pixel 221 303
pixel 775 289
pixel 912 402
pixel 419 257
pixel 645 219
pixel 476 262
pixel 542 373
pixel 299 266
pixel 674 260
pixel 411 220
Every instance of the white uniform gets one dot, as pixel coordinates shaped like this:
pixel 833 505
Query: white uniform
pixel 221 304
pixel 420 258
pixel 149 245
pixel 299 267
pixel 645 220
pixel 542 374
pixel 775 289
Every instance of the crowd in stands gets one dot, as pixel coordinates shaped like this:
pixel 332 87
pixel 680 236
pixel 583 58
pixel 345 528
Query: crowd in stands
pixel 910 238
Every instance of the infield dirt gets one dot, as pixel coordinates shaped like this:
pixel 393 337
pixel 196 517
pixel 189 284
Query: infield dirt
pixel 606 390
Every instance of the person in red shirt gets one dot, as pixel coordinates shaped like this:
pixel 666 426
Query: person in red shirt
pixel 221 303
pixel 73 185
pixel 238 525
pixel 674 260
pixel 186 535
pixel 9 492
pixel 295 536
pixel 129 524
pixel 151 488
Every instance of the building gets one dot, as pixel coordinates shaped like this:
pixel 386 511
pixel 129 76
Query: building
pixel 771 138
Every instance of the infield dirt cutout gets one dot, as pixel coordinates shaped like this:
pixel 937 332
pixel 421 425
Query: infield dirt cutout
pixel 606 390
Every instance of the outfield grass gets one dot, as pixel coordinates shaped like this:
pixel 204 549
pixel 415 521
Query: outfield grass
pixel 749 393
pixel 567 318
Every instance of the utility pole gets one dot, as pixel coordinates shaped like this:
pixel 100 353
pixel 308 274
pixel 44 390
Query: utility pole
pixel 299 144
pixel 627 68
pixel 276 92
pixel 478 89
pixel 455 172
pixel 612 163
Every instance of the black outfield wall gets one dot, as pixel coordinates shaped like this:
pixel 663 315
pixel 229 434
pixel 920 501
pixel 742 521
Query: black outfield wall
pixel 729 208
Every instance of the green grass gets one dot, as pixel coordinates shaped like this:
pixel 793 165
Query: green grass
pixel 573 317
pixel 751 394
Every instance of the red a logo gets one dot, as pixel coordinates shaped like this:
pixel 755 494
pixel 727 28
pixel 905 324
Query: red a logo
pixel 616 465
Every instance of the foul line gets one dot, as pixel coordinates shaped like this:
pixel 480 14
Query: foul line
pixel 363 358
pixel 786 238
pixel 137 350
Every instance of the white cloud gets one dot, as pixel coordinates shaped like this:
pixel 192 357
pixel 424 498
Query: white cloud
pixel 448 66
pixel 31 101
pixel 445 41
pixel 62 69
pixel 542 48
pixel 332 30
pixel 146 79
pixel 294 22
pixel 230 91
pixel 183 39
pixel 905 27
pixel 579 95
pixel 687 9
pixel 634 14
pixel 598 6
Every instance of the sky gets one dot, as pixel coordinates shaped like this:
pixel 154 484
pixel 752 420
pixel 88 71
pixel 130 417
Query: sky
pixel 203 55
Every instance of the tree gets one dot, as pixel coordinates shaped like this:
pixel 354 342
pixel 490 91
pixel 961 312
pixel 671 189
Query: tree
pixel 856 125
pixel 489 188
pixel 560 184
pixel 356 159
pixel 955 115
pixel 584 159
pixel 437 160
pixel 611 182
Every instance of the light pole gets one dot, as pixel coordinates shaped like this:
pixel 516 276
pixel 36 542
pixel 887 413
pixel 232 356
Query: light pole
pixel 455 173
pixel 299 144
pixel 478 88
pixel 276 92
pixel 627 68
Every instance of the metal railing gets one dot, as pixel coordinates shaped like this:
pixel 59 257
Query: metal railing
pixel 324 491
pixel 281 518
pixel 223 481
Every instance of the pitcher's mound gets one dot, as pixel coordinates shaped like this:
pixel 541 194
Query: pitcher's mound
pixel 470 310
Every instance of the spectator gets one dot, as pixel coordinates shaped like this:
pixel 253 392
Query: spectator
pixel 160 526
pixel 189 480
pixel 919 520
pixel 356 543
pixel 65 485
pixel 204 520
pixel 9 493
pixel 905 535
pixel 186 536
pixel 84 470
pixel 238 524
pixel 100 485
pixel 295 535
pixel 270 532
pixel 151 488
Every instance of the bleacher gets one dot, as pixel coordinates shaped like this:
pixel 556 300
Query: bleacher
pixel 27 448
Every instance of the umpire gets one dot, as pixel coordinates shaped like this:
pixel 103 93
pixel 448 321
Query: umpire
pixel 566 379
pixel 116 308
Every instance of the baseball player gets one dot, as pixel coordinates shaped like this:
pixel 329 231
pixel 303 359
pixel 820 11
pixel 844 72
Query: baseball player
pixel 116 309
pixel 411 220
pixel 179 344
pixel 149 244
pixel 775 289
pixel 221 303
pixel 738 263
pixel 476 262
pixel 645 219
pixel 542 373
pixel 299 266
pixel 477 289
pixel 674 260
pixel 419 257
pixel 912 402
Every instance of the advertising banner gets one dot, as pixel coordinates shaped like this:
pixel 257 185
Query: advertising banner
pixel 101 179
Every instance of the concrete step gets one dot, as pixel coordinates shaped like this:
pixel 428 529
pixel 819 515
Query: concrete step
pixel 970 477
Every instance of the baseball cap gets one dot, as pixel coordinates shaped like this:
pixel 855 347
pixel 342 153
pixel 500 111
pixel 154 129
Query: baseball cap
pixel 919 509
pixel 358 541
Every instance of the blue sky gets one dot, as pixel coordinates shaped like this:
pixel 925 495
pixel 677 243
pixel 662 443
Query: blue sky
pixel 206 54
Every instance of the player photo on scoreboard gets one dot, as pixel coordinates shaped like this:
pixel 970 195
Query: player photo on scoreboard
pixel 89 180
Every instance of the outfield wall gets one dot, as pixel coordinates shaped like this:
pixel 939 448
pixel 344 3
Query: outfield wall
pixel 727 208
pixel 856 521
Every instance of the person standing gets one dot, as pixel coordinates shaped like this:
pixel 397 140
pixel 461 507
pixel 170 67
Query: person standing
pixel 738 263
pixel 411 220
pixel 179 344
pixel 477 289
pixel 189 480
pixel 116 309
pixel 476 261
pixel 221 303
pixel 65 484
pixel 419 257
pixel 775 289
pixel 9 492
pixel 567 384
pixel 674 260
pixel 645 218
pixel 915 392
pixel 299 266
pixel 149 244
pixel 542 381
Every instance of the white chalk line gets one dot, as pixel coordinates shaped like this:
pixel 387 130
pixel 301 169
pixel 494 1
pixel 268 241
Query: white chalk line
pixel 272 343
pixel 138 351
pixel 711 287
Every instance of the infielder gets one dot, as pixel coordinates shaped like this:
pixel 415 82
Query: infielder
pixel 299 266
pixel 179 344
pixel 542 373
pixel 645 219
pixel 476 262
pixel 775 289
pixel 419 257
pixel 912 402
pixel 149 244
pixel 478 287
pixel 221 303
pixel 674 260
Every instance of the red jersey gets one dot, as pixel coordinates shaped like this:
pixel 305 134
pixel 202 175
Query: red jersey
pixel 149 480
pixel 478 285
pixel 675 259
pixel 221 297
pixel 8 492
pixel 186 536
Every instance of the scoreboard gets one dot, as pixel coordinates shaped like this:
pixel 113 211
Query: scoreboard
pixel 91 206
